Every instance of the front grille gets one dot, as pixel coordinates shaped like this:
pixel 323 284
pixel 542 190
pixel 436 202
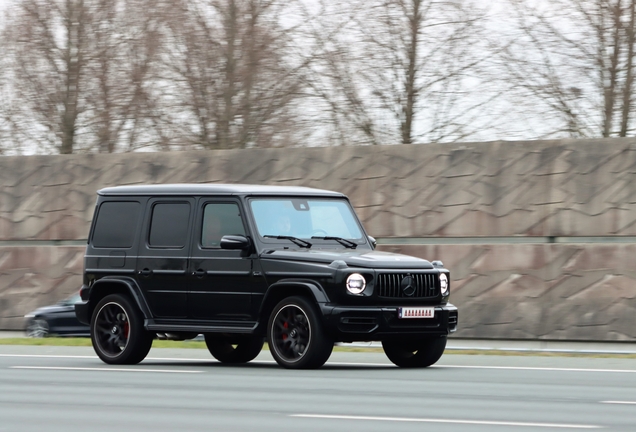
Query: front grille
pixel 390 285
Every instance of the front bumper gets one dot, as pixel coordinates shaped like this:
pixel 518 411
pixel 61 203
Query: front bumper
pixel 351 324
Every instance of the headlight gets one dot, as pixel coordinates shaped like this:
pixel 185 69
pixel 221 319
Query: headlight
pixel 29 316
pixel 443 283
pixel 356 283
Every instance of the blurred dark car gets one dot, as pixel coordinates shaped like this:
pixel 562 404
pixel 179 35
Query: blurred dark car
pixel 58 319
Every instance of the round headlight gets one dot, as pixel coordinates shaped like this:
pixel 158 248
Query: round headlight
pixel 443 283
pixel 356 283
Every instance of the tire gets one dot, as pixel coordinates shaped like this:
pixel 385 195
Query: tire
pixel 117 331
pixel 37 328
pixel 295 335
pixel 415 354
pixel 240 349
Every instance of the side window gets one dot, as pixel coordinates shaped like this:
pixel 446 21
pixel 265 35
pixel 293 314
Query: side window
pixel 220 219
pixel 116 223
pixel 169 225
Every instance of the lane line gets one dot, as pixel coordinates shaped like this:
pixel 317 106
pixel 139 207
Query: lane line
pixel 48 356
pixel 94 357
pixel 105 369
pixel 619 402
pixel 332 363
pixel 451 421
pixel 529 368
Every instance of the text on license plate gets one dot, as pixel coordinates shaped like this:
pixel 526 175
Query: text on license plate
pixel 416 312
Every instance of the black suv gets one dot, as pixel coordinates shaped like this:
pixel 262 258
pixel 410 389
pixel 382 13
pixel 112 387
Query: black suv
pixel 242 264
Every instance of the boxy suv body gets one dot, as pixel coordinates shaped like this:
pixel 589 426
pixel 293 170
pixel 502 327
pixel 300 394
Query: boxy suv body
pixel 242 264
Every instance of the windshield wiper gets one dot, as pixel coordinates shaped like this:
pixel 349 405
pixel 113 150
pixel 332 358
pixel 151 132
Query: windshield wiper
pixel 346 243
pixel 295 240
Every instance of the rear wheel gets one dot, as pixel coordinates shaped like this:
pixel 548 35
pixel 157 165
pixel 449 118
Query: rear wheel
pixel 415 354
pixel 295 335
pixel 239 349
pixel 117 331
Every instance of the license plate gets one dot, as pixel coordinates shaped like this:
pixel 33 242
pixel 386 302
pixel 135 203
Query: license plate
pixel 416 312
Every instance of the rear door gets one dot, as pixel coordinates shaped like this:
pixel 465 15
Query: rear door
pixel 163 256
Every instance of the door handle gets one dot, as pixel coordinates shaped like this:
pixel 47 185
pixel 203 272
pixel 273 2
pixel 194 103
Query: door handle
pixel 199 273
pixel 145 272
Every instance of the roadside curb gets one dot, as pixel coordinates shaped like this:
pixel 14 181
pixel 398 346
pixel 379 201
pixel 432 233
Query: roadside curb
pixel 531 346
pixel 543 346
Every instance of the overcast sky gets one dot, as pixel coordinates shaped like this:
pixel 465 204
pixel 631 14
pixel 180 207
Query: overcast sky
pixel 3 4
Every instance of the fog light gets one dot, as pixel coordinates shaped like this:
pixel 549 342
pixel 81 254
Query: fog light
pixel 443 283
pixel 356 283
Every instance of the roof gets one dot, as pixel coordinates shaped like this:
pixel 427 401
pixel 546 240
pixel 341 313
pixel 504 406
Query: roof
pixel 213 189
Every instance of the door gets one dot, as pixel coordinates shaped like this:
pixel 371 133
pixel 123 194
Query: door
pixel 221 280
pixel 162 264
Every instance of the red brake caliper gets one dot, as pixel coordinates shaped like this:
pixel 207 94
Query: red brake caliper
pixel 284 335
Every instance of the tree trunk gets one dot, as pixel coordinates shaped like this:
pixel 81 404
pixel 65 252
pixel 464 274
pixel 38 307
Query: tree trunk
pixel 410 82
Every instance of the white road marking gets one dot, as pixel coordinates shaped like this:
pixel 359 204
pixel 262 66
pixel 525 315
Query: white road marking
pixel 619 402
pixel 332 363
pixel 48 356
pixel 105 369
pixel 95 357
pixel 528 368
pixel 451 421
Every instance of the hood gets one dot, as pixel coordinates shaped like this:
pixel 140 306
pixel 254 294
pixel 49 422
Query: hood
pixel 353 258
pixel 50 309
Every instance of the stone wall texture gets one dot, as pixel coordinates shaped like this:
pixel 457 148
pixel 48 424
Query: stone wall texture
pixel 540 237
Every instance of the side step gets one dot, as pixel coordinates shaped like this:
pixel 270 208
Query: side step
pixel 242 328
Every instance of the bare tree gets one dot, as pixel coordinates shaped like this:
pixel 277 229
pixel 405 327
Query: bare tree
pixel 124 45
pixel 79 73
pixel 5 98
pixel 401 71
pixel 229 77
pixel 6 144
pixel 45 43
pixel 577 60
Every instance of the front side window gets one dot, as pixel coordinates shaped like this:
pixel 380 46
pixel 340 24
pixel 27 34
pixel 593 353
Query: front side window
pixel 220 219
pixel 169 225
pixel 305 218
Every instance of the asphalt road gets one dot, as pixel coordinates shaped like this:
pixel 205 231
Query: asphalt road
pixel 69 389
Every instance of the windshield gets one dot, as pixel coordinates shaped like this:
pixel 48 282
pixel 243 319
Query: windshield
pixel 306 218
pixel 75 298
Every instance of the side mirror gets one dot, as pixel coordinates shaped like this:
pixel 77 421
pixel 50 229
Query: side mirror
pixel 373 241
pixel 235 242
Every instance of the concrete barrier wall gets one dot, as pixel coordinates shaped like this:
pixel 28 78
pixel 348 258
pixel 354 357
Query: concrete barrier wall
pixel 538 235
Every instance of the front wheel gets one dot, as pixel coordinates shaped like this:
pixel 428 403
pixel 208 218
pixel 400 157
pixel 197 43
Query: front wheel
pixel 415 354
pixel 117 331
pixel 37 328
pixel 241 349
pixel 295 335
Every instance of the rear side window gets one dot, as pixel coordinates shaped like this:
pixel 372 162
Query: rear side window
pixel 116 224
pixel 169 225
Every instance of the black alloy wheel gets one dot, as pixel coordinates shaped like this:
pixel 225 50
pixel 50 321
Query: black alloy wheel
pixel 295 335
pixel 415 354
pixel 117 331
pixel 240 349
